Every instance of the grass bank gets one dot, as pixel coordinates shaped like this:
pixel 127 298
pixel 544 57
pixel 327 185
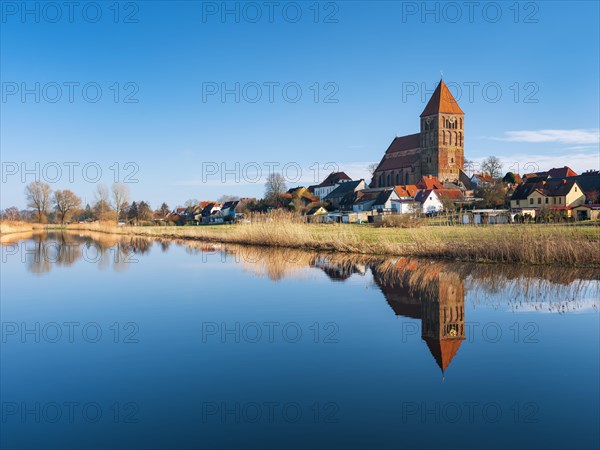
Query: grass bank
pixel 570 245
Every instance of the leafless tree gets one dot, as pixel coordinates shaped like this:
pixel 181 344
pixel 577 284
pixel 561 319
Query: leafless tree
pixel 492 166
pixel 65 202
pixel 120 194
pixel 274 186
pixel 38 197
pixel 372 167
pixel 11 214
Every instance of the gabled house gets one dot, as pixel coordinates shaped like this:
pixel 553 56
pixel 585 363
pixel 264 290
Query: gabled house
pixel 365 200
pixel 208 214
pixel 343 190
pixel 548 194
pixel 333 180
pixel 386 201
pixel 406 191
pixel 229 208
pixel 429 200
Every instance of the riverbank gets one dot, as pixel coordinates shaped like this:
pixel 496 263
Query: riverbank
pixel 570 245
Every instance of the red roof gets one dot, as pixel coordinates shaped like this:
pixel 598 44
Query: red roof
pixel 450 194
pixel 408 142
pixel 557 172
pixel 408 190
pixel 429 182
pixel 442 101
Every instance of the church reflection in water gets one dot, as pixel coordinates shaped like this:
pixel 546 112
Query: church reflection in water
pixel 439 303
pixel 419 291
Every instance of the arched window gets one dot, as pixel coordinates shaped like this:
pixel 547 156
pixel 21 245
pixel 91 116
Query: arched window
pixel 388 180
pixel 461 124
pixel 406 178
pixel 449 137
pixel 381 180
pixel 397 178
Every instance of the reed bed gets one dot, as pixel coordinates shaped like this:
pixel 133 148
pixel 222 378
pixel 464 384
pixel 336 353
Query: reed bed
pixel 570 245
pixel 7 227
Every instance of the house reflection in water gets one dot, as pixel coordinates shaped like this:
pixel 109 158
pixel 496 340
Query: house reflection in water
pixel 438 299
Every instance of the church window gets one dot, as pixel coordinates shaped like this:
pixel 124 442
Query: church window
pixel 452 160
pixel 388 179
pixel 406 178
pixel 397 178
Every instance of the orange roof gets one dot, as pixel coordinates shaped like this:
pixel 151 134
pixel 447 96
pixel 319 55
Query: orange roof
pixel 408 190
pixel 443 350
pixel 442 101
pixel 450 194
pixel 429 182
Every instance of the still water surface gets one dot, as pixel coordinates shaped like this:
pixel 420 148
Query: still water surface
pixel 120 342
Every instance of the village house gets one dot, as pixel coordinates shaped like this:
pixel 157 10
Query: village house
pixel 386 201
pixel 559 194
pixel 333 180
pixel 429 200
pixel 344 190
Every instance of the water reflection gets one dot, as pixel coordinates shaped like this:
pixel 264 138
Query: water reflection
pixel 430 292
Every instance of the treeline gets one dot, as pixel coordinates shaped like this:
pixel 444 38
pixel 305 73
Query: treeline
pixel 64 206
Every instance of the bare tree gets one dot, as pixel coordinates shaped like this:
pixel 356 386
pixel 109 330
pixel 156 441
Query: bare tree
pixel 191 202
pixel 65 202
pixel 274 186
pixel 38 197
pixel 120 194
pixel 372 167
pixel 11 214
pixel 492 166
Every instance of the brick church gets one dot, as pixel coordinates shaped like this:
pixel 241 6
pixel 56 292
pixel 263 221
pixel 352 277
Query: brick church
pixel 437 150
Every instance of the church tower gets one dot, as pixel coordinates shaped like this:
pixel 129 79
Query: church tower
pixel 443 319
pixel 442 136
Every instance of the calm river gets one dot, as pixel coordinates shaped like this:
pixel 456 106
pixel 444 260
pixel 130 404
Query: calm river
pixel 120 342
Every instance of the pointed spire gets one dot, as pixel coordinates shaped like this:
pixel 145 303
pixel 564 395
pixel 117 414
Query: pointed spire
pixel 443 350
pixel 442 101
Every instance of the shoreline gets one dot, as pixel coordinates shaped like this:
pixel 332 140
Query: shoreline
pixel 567 245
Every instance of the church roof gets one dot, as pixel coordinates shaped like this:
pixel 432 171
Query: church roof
pixel 442 101
pixel 443 350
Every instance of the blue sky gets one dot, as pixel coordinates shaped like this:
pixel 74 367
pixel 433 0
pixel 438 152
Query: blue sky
pixel 363 69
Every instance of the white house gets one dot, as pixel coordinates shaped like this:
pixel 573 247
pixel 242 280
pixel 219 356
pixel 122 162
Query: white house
pixel 388 200
pixel 429 200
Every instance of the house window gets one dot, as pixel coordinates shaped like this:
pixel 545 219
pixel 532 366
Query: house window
pixel 531 201
pixel 559 200
pixel 539 200
pixel 546 200
pixel 555 200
